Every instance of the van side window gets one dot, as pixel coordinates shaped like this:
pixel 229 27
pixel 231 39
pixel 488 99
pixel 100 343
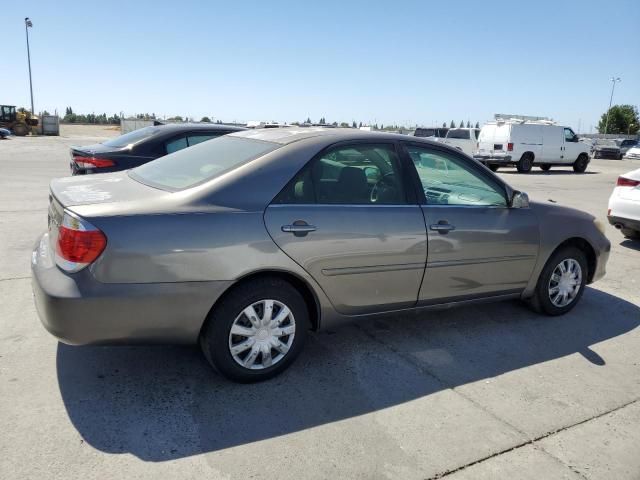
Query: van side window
pixel 569 136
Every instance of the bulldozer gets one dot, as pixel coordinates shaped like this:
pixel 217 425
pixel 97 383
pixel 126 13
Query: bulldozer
pixel 19 121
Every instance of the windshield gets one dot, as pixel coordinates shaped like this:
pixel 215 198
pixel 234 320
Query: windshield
pixel 200 163
pixel 131 137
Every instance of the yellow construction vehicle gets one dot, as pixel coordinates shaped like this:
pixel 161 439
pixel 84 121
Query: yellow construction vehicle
pixel 19 121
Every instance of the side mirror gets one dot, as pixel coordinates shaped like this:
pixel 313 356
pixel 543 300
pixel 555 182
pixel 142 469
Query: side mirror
pixel 519 200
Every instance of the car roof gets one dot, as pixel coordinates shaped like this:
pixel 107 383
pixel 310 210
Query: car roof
pixel 285 136
pixel 181 127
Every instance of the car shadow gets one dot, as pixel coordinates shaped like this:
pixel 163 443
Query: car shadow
pixel 162 403
pixel 551 172
pixel 631 244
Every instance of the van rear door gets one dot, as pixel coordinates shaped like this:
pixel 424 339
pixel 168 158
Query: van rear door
pixel 494 139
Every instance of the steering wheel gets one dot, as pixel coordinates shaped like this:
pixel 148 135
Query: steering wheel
pixel 383 182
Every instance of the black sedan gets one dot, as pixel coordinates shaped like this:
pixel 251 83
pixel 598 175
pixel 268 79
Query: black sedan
pixel 607 149
pixel 141 146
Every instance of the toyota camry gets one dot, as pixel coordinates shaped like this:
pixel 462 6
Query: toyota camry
pixel 246 242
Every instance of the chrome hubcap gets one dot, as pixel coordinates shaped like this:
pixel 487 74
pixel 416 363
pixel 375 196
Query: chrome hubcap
pixel 565 282
pixel 262 334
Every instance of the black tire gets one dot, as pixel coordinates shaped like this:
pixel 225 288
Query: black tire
pixel 493 168
pixel 580 165
pixel 630 233
pixel 20 129
pixel 546 168
pixel 525 163
pixel 215 337
pixel 541 301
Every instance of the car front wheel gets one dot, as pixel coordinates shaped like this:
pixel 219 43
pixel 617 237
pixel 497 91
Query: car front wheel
pixel 561 282
pixel 256 331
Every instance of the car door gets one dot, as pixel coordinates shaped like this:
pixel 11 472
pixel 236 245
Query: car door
pixel 478 246
pixel 352 222
pixel 572 148
pixel 552 144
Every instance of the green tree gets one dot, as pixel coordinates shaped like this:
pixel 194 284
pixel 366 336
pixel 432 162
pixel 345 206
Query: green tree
pixel 308 120
pixel 205 119
pixel 360 126
pixel 453 124
pixel 354 124
pixel 623 119
pixel 461 124
pixel 444 124
pixel 477 124
pixel 468 124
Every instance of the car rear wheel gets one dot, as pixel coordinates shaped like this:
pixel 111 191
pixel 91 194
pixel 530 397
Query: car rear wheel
pixel 525 163
pixel 580 165
pixel 630 233
pixel 561 282
pixel 546 168
pixel 256 331
pixel 493 168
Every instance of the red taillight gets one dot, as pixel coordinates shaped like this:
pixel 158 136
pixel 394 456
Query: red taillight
pixel 93 162
pixel 509 147
pixel 627 182
pixel 79 243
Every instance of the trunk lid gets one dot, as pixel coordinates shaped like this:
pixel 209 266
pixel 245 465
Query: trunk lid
pixel 105 188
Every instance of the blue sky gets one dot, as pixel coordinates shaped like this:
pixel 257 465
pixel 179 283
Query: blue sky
pixel 390 62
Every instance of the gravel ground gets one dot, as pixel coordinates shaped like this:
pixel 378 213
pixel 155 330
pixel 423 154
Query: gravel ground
pixel 491 391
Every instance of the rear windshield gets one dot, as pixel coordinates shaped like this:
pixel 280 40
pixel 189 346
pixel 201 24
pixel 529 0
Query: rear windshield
pixel 131 137
pixel 200 163
pixel 459 133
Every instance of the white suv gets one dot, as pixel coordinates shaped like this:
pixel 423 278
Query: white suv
pixel 465 139
pixel 525 143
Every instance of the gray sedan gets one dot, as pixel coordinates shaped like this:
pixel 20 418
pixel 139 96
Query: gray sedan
pixel 245 242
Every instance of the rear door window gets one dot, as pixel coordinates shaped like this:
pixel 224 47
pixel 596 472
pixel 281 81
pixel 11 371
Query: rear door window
pixel 195 139
pixel 361 174
pixel 176 144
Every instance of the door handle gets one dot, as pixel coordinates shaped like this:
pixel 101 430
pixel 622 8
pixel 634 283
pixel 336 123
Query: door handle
pixel 442 227
pixel 299 228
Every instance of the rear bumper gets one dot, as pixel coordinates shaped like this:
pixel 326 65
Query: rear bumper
pixel 494 159
pixel 624 222
pixel 79 310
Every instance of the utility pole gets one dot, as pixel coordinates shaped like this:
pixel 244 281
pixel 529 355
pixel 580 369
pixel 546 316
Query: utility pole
pixel 614 80
pixel 28 24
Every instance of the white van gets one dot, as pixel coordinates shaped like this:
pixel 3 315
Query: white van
pixel 525 143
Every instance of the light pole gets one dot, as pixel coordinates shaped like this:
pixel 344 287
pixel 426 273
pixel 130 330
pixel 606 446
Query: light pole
pixel 614 80
pixel 27 25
